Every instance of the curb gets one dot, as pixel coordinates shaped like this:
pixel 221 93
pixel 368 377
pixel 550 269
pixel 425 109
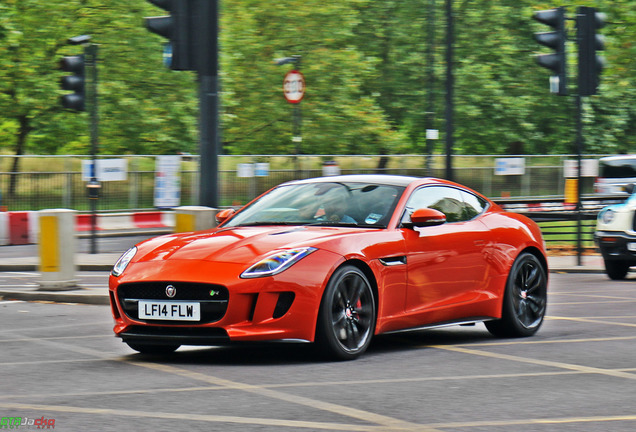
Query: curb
pixel 55 297
pixel 35 267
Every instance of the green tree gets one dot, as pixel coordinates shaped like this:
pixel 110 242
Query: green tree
pixel 365 66
pixel 143 107
pixel 337 117
pixel 502 102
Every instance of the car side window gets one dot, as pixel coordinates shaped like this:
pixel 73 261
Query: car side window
pixel 457 205
pixel 445 199
pixel 473 205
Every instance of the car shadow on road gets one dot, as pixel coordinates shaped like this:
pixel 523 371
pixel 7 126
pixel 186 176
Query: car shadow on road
pixel 276 354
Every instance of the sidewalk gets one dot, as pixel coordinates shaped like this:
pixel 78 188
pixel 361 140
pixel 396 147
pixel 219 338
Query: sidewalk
pixel 105 261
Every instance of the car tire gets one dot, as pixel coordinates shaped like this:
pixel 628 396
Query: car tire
pixel 524 301
pixel 152 348
pixel 616 269
pixel 347 315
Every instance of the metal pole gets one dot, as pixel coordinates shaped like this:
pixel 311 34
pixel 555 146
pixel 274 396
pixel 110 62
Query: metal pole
pixel 91 61
pixel 430 59
pixel 579 152
pixel 297 137
pixel 449 89
pixel 209 139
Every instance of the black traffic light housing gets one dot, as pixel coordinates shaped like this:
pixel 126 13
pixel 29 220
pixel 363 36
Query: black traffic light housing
pixel 178 28
pixel 76 82
pixel 588 21
pixel 557 61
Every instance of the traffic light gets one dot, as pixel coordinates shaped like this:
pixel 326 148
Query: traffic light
pixel 557 61
pixel 75 82
pixel 178 28
pixel 588 20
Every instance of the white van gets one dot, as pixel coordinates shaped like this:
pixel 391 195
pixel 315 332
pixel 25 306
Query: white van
pixel 615 173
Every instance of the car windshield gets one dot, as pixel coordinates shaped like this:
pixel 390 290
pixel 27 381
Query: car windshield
pixel 321 203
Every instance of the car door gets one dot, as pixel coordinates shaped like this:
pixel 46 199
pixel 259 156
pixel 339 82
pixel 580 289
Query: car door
pixel 446 263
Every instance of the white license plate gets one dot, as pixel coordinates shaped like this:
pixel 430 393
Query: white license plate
pixel 165 310
pixel 631 247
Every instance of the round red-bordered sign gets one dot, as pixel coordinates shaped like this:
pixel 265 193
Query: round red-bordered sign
pixel 294 86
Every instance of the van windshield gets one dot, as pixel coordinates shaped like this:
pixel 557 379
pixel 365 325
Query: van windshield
pixel 618 168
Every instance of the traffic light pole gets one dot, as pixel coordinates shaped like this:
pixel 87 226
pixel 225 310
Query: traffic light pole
pixel 206 60
pixel 588 21
pixel 209 139
pixel 90 52
pixel 579 152
pixel 192 31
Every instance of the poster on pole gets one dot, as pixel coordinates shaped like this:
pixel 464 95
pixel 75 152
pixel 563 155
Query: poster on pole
pixel 589 168
pixel 510 166
pixel 105 170
pixel 167 181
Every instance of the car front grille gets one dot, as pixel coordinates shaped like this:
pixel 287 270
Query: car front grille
pixel 212 298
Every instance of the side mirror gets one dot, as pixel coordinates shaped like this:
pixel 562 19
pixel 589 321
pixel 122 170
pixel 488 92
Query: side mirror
pixel 427 217
pixel 629 188
pixel 224 215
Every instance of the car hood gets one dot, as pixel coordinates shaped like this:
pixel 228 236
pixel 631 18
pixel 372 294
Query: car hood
pixel 239 244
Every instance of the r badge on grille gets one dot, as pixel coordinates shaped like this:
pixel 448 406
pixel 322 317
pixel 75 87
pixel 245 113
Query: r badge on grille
pixel 171 291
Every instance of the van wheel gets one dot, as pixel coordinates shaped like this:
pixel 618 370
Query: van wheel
pixel 616 269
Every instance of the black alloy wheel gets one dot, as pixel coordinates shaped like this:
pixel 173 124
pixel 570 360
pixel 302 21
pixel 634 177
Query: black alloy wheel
pixel 525 299
pixel 346 320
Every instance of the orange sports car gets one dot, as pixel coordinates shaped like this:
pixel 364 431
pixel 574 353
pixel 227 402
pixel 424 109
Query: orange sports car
pixel 335 260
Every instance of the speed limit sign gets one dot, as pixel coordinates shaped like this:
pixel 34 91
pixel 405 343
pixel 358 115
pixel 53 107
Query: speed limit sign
pixel 294 86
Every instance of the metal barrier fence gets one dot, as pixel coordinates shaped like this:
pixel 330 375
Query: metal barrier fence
pixel 57 182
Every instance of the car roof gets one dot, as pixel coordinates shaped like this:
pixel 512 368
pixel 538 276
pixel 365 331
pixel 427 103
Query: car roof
pixel 385 179
pixel 617 158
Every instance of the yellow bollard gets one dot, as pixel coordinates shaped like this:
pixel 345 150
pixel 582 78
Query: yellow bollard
pixel 194 218
pixel 56 244
pixel 571 190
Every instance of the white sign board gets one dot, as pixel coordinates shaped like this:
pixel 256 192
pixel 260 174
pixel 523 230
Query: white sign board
pixel 330 169
pixel 106 169
pixel 432 134
pixel 167 181
pixel 589 168
pixel 261 169
pixel 510 166
pixel 245 170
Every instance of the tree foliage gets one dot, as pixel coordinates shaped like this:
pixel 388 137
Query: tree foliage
pixel 366 69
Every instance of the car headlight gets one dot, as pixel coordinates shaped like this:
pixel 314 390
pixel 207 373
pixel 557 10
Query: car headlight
pixel 607 216
pixel 277 263
pixel 123 261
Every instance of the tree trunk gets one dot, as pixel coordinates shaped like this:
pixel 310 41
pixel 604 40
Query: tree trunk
pixel 19 151
pixel 382 164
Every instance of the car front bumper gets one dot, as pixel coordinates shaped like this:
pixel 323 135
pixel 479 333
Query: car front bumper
pixel 615 245
pixel 280 307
